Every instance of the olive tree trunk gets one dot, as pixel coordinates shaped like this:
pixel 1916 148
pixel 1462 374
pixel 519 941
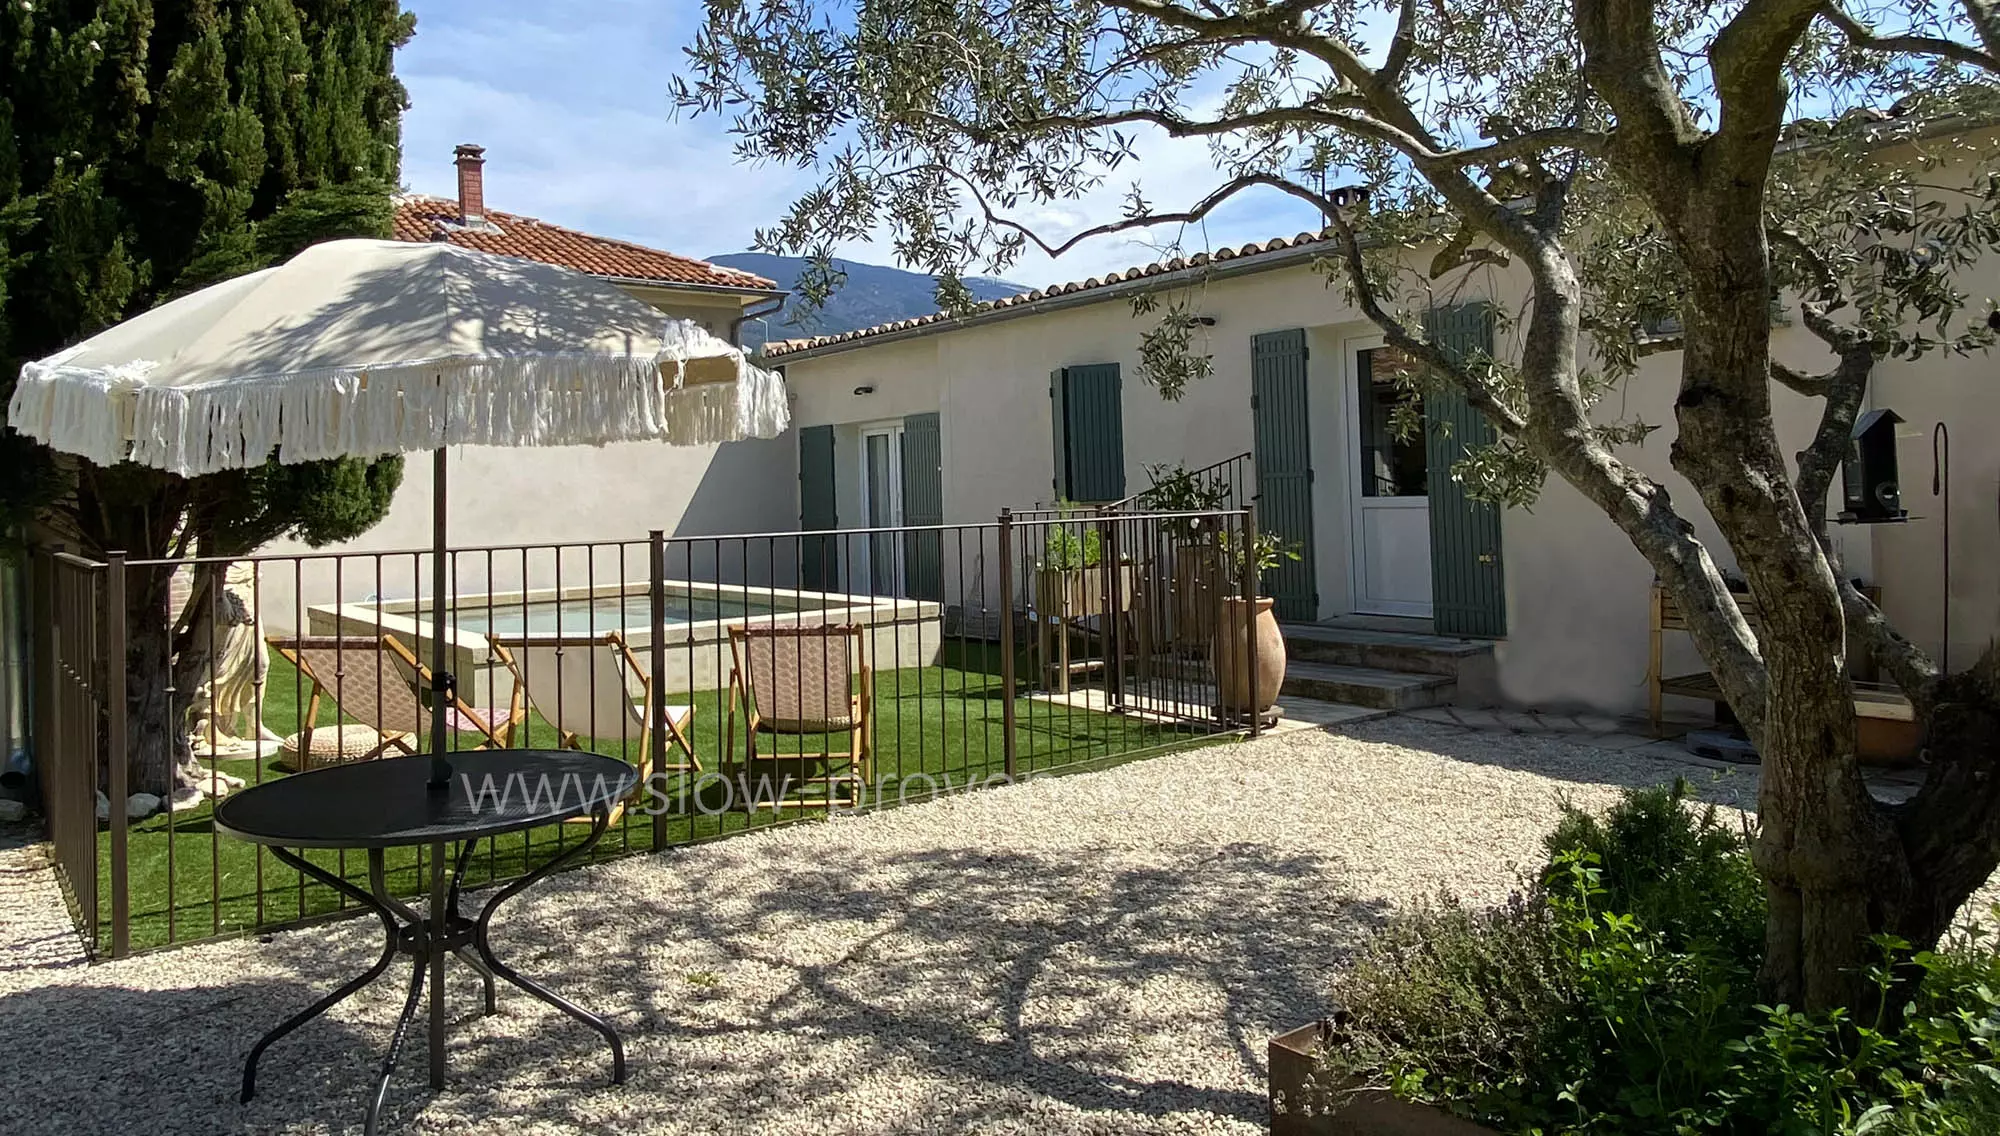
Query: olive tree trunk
pixel 160 761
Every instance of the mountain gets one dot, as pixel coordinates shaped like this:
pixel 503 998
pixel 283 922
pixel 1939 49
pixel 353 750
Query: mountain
pixel 873 294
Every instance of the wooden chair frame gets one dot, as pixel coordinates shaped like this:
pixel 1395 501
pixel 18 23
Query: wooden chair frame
pixel 677 725
pixel 290 648
pixel 497 737
pixel 861 715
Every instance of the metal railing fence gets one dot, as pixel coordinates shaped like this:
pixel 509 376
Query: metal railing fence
pixel 983 653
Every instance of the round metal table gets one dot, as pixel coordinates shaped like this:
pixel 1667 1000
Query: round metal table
pixel 377 805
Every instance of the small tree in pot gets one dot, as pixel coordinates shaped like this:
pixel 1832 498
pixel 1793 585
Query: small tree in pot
pixel 1069 581
pixel 1197 562
pixel 1250 629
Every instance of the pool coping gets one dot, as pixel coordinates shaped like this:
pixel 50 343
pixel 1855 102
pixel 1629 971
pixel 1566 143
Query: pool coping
pixel 471 649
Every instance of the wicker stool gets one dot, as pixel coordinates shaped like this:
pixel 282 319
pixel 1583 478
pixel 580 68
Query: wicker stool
pixel 338 745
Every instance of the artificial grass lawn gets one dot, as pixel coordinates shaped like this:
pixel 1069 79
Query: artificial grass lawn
pixel 936 728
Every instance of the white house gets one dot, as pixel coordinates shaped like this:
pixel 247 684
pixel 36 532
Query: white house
pixel 1556 589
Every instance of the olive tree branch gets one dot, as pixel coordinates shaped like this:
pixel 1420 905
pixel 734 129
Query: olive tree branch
pixel 1344 112
pixel 1812 386
pixel 1199 210
pixel 1478 391
pixel 1401 44
pixel 1985 19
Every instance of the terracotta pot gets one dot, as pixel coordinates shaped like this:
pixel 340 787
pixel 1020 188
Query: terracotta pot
pixel 1238 638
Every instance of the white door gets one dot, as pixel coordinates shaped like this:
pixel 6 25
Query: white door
pixel 1390 502
pixel 882 507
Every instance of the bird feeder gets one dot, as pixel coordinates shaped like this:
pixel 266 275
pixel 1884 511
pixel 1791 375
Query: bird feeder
pixel 1868 473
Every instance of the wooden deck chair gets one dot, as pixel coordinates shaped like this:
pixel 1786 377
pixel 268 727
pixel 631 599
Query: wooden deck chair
pixel 800 681
pixel 595 687
pixel 494 725
pixel 347 671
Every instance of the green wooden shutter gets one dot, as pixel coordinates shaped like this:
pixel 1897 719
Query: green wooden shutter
pixel 923 504
pixel 1059 484
pixel 1091 436
pixel 818 562
pixel 1468 586
pixel 1284 466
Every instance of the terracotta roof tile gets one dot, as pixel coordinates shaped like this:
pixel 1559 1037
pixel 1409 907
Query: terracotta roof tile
pixel 1177 264
pixel 422 218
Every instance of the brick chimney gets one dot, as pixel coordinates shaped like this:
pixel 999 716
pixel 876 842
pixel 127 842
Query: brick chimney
pixel 471 161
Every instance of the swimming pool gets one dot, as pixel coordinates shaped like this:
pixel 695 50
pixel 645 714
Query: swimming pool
pixel 596 615
pixel 695 633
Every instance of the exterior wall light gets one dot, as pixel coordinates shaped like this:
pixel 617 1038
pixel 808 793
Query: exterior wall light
pixel 864 390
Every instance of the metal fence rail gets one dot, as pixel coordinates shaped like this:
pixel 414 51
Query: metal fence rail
pixel 916 661
pixel 67 602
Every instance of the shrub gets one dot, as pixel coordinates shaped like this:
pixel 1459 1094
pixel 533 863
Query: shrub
pixel 1615 995
pixel 1678 871
pixel 1461 1005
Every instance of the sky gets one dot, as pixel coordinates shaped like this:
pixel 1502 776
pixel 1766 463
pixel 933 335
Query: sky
pixel 571 100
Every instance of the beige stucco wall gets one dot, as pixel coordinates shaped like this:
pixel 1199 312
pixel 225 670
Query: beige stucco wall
pixel 1576 590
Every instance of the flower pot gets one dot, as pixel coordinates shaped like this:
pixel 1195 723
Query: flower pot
pixel 1240 639
pixel 1198 587
pixel 1078 593
pixel 1303 1103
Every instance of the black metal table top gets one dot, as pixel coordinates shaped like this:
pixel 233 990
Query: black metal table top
pixel 387 803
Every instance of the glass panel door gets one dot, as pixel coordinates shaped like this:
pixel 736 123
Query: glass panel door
pixel 882 488
pixel 1390 501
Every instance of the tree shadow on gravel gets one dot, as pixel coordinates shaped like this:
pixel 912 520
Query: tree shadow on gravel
pixel 101 1058
pixel 942 990
pixel 946 990
pixel 1555 757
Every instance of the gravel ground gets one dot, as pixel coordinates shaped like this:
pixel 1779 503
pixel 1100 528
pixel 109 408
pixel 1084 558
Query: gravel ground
pixel 1104 953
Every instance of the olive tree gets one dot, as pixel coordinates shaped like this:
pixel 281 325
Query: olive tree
pixel 1662 174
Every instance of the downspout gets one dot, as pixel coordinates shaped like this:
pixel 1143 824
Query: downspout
pixel 753 312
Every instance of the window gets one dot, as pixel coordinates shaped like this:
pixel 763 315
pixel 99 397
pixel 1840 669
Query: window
pixel 1390 466
pixel 1087 408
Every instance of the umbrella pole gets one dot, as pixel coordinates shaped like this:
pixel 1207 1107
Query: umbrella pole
pixel 441 679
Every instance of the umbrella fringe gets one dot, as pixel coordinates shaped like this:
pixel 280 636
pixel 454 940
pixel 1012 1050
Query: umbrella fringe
pixel 541 400
pixel 754 406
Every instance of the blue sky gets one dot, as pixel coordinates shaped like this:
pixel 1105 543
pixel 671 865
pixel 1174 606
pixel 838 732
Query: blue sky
pixel 570 99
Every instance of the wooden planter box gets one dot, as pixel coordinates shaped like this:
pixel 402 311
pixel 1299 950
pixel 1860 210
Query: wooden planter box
pixel 1301 1108
pixel 1078 593
pixel 1198 590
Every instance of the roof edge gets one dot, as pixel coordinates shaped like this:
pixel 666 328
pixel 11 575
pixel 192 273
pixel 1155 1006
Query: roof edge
pixel 1258 256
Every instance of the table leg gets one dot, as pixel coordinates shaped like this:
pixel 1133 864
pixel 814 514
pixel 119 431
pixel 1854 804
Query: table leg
pixel 600 821
pixel 437 928
pixel 395 1048
pixel 346 989
pixel 457 921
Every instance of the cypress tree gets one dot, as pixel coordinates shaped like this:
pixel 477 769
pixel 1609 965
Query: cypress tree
pixel 148 149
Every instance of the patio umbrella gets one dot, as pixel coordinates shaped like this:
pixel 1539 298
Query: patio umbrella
pixel 361 348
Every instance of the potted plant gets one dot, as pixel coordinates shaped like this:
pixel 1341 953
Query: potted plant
pixel 1249 630
pixel 1197 569
pixel 1069 581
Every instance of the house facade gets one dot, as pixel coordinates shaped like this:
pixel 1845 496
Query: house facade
pixel 1019 392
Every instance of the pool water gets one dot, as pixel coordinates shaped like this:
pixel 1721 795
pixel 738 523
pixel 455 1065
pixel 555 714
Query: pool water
pixel 626 613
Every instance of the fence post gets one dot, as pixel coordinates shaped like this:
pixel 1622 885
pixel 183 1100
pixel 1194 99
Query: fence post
pixel 42 673
pixel 120 754
pixel 1114 667
pixel 1250 613
pixel 656 576
pixel 1007 640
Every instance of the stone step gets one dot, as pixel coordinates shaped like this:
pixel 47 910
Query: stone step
pixel 1366 686
pixel 1383 650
